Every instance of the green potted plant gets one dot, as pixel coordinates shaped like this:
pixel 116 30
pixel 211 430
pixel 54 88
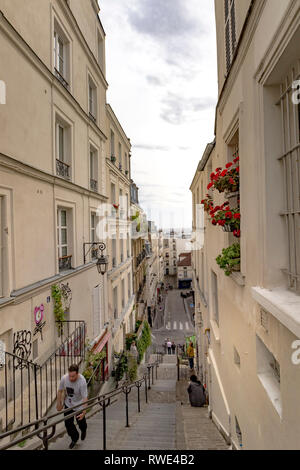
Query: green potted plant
pixel 230 259
pixel 113 158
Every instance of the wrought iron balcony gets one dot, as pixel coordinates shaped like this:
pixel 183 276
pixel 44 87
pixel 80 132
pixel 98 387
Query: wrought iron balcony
pixel 65 263
pixel 63 169
pixel 94 185
pixel 62 80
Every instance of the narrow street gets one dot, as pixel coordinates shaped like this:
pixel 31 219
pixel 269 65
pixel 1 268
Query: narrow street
pixel 177 323
pixel 167 422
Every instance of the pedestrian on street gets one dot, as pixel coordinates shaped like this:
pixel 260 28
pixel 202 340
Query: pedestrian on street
pixel 191 355
pixel 196 392
pixel 169 346
pixel 71 393
pixel 173 347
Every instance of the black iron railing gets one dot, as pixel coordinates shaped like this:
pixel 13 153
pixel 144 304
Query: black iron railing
pixel 63 169
pixel 65 263
pixel 27 389
pixel 41 427
pixel 94 185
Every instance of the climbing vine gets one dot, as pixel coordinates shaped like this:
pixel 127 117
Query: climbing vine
pixel 92 363
pixel 144 341
pixel 59 312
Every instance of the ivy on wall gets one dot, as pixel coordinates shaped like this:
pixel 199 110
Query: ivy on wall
pixel 144 341
pixel 58 309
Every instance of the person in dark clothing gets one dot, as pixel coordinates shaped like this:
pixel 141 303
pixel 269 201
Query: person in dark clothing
pixel 173 347
pixel 196 392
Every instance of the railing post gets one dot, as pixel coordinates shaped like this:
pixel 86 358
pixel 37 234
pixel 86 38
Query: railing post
pixel 127 411
pixel 149 377
pixel 146 391
pixel 178 369
pixel 139 402
pixel 36 391
pixel 153 374
pixel 104 423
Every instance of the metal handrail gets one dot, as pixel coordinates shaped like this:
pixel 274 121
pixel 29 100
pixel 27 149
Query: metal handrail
pixel 102 400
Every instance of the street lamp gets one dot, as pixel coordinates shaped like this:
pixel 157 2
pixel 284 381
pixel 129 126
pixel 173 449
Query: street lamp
pixel 102 261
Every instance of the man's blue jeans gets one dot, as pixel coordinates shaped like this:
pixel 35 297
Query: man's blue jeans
pixel 191 361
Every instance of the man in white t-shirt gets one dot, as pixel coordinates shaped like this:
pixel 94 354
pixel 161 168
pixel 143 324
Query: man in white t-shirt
pixel 72 392
pixel 169 346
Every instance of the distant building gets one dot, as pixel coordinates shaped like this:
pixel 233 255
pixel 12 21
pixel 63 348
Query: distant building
pixel 184 270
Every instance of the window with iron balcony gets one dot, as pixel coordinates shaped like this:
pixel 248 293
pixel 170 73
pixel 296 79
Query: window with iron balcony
pixel 61 55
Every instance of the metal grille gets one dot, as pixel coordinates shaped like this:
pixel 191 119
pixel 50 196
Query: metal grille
pixel 264 319
pixel 230 31
pixel 291 175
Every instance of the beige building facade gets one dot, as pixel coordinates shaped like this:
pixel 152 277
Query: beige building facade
pixel 121 303
pixel 247 322
pixel 56 180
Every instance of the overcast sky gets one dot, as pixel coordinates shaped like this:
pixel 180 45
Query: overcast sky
pixel 161 70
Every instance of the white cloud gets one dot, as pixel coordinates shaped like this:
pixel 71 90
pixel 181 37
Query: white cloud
pixel 161 68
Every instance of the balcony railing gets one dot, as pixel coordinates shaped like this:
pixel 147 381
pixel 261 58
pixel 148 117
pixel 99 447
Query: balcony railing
pixel 65 263
pixel 63 169
pixel 94 185
pixel 62 80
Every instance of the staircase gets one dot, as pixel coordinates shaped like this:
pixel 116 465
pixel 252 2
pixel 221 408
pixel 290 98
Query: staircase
pixel 153 428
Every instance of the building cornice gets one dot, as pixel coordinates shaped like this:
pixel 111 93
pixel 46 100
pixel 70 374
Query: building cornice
pixel 116 122
pixel 15 165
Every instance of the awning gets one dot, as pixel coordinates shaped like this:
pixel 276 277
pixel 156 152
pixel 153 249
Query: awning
pixel 101 343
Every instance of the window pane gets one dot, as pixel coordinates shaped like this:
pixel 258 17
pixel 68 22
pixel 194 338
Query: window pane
pixel 64 251
pixel 63 218
pixel 63 236
pixel 61 143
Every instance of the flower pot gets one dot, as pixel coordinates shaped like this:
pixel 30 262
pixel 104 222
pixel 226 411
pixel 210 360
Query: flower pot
pixel 236 268
pixel 228 228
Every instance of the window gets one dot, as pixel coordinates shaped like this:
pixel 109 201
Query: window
pixel 93 169
pixel 122 247
pixel 129 285
pixel 230 31
pixel 92 99
pixel 113 198
pixel 64 256
pixel 123 293
pixel 268 371
pixel 94 250
pixel 290 172
pixel 112 144
pixel 128 245
pixel 61 49
pixel 63 148
pixel 114 252
pixel 120 156
pixel 215 303
pixel 115 302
